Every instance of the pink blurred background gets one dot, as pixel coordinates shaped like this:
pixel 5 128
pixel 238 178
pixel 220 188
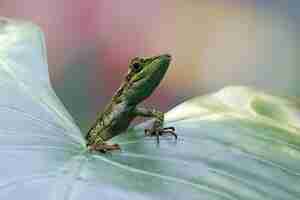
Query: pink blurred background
pixel 214 43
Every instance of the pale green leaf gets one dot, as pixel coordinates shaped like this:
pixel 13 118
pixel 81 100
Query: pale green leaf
pixel 238 143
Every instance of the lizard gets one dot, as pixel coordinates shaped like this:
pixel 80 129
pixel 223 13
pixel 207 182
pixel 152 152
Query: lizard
pixel 143 76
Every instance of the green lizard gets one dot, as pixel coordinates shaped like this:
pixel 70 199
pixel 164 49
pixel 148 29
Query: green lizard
pixel 143 77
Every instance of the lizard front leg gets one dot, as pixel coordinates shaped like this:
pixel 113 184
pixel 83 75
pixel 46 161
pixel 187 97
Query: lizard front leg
pixel 157 129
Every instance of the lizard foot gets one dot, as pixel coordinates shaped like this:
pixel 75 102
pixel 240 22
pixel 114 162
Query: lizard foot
pixel 160 132
pixel 104 148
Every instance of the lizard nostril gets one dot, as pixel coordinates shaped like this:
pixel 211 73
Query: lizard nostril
pixel 168 56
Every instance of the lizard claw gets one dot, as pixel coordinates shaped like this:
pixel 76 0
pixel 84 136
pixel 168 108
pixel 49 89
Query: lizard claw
pixel 160 132
pixel 104 148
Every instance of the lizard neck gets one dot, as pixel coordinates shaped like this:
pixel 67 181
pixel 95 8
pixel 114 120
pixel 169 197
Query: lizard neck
pixel 120 95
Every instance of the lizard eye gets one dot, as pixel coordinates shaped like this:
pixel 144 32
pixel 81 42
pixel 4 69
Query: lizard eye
pixel 136 66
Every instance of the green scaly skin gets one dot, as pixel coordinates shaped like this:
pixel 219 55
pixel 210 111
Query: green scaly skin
pixel 143 77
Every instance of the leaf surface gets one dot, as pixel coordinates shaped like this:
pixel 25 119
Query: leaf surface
pixel 238 143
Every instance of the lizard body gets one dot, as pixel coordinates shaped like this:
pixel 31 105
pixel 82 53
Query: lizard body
pixel 143 76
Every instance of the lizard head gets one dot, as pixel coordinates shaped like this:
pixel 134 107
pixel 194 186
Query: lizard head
pixel 144 76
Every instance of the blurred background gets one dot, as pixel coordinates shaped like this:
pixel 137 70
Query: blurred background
pixel 214 43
